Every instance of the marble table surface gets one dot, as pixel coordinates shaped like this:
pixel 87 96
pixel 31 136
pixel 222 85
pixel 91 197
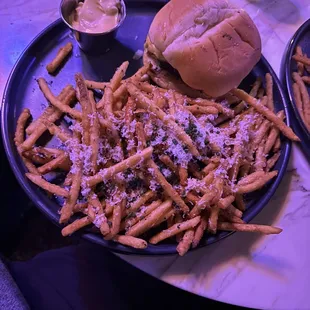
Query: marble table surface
pixel 269 272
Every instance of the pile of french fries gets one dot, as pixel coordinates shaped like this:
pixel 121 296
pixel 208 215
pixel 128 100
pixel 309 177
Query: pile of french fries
pixel 302 77
pixel 145 162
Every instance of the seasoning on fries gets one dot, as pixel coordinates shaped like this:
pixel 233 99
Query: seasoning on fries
pixel 158 159
pixel 60 57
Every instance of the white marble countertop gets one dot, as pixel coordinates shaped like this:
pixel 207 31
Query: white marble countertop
pixel 245 269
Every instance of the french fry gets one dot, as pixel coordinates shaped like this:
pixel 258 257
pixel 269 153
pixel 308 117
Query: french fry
pixel 130 162
pixel 97 206
pixel 68 179
pixel 302 59
pixel 287 131
pixel 226 216
pixel 203 203
pixel 56 102
pixel 75 226
pixel 170 221
pixel 151 220
pixel 251 178
pixel 260 157
pixel 62 161
pixel 197 109
pixel 108 209
pixel 210 167
pixel 128 120
pixel 141 214
pixel 269 91
pixel 40 155
pixel 166 80
pixel 140 136
pixel 209 103
pixel 67 209
pixel 304 96
pixel 234 211
pixel 175 229
pixel 178 218
pixel 141 72
pixel 171 103
pixel 140 202
pixel 190 197
pixel 306 79
pixel 277 145
pixel 224 203
pixel 273 135
pixel 167 187
pixel 300 66
pixel 60 57
pixel 90 211
pixel 233 172
pixel 104 227
pixel 242 105
pixel 133 242
pixel 230 99
pixel 227 190
pixel 213 218
pixel 272 161
pixel 66 95
pixel 94 134
pixel 41 128
pixel 106 102
pixel 242 189
pixel 80 207
pixel 208 179
pixel 146 87
pixel 86 107
pixel 120 93
pixel 160 100
pixel 260 93
pixel 186 242
pixel 49 187
pixel 244 169
pixel 183 175
pixel 19 139
pixel 95 85
pixel 200 229
pixel 267 230
pixel 240 202
pixel 149 105
pixel 118 76
pixel 116 219
pixel 56 131
pixel 169 163
pixel 298 101
pixel 165 217
pixel 261 132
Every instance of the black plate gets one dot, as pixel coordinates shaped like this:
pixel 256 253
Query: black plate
pixel 302 38
pixel 22 91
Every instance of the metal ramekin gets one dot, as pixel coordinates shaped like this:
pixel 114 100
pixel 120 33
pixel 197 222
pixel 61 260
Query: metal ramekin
pixel 93 43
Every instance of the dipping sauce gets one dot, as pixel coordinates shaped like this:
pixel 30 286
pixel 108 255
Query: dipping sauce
pixel 96 16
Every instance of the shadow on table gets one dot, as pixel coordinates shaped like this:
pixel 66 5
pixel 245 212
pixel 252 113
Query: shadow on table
pixel 284 10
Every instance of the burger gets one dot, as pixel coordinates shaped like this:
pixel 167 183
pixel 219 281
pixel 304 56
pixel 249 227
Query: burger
pixel 202 47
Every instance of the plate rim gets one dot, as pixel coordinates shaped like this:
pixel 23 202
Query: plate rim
pixel 151 250
pixel 287 75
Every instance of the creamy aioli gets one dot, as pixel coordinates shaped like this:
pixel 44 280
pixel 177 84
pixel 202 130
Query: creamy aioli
pixel 96 16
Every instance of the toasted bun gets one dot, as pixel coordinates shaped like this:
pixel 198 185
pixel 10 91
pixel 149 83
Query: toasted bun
pixel 212 45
